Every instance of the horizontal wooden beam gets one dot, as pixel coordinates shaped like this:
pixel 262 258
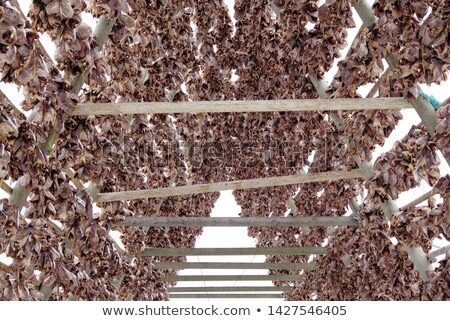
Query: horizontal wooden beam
pixel 226 296
pixel 240 277
pixel 203 289
pixel 154 221
pixel 234 265
pixel 154 251
pixel 232 185
pixel 240 106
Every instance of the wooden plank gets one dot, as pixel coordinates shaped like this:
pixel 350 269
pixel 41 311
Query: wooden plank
pixel 426 113
pixel 226 296
pixel 232 185
pixel 364 10
pixel 238 106
pixel 240 277
pixel 6 268
pixel 389 207
pixel 420 199
pixel 202 289
pixel 8 189
pixel 434 254
pixel 38 42
pixel 234 265
pixel 233 251
pixel 240 221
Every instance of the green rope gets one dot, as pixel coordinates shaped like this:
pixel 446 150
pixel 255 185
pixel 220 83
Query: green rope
pixel 431 99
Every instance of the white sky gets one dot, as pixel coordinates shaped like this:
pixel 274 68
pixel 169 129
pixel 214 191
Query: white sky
pixel 226 205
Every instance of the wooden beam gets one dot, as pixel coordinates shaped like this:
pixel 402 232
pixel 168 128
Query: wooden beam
pixel 420 199
pixel 4 186
pixel 240 221
pixel 420 260
pixel 364 10
pixel 6 268
pixel 38 43
pixel 226 296
pixel 434 254
pixel 233 251
pixel 232 185
pixel 102 30
pixel 17 112
pixel 206 278
pixel 389 207
pixel 234 265
pixel 446 101
pixel 426 113
pixel 237 106
pixel 428 116
pixel 373 91
pixel 421 105
pixel 202 289
pixel 19 193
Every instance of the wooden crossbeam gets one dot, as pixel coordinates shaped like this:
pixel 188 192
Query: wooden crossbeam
pixel 226 186
pixel 102 31
pixel 434 254
pixel 234 265
pixel 6 268
pixel 4 186
pixel 203 289
pixel 237 106
pixel 429 118
pixel 38 43
pixel 234 251
pixel 420 199
pixel 226 296
pixel 240 221
pixel 240 277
